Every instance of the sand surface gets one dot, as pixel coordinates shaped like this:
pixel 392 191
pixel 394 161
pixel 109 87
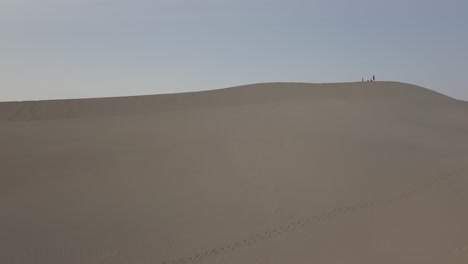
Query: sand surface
pixel 359 173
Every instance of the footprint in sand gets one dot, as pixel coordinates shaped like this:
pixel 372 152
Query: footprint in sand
pixel 460 255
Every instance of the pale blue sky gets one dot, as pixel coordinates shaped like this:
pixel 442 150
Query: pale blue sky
pixel 94 48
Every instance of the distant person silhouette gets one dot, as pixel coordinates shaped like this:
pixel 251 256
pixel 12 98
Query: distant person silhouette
pixel 373 77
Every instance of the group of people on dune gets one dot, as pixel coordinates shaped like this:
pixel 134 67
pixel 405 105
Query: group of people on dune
pixel 369 80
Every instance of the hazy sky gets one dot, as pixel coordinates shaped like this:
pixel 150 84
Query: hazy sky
pixel 93 48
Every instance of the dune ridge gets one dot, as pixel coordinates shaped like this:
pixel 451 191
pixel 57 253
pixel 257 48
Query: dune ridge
pixel 246 94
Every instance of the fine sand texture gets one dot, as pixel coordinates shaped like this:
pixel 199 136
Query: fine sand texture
pixel 364 173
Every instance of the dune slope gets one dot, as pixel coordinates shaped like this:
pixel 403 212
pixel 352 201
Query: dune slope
pixel 266 173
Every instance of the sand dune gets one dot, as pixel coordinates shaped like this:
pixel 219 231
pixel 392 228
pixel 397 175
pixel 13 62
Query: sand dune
pixel 268 173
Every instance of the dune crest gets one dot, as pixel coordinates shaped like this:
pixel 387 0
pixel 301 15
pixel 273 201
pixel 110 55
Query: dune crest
pixel 246 94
